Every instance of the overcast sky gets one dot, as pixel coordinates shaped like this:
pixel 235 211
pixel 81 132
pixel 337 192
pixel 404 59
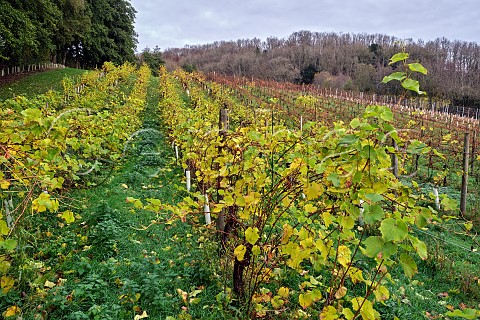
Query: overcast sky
pixel 176 23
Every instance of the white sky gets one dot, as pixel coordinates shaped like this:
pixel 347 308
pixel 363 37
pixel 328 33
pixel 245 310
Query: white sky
pixel 176 23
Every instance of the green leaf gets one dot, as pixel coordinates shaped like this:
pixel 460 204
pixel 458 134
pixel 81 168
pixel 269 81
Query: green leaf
pixel 374 197
pixel 416 147
pixel 347 140
pixel 33 114
pixel 251 235
pixel 408 264
pixel 448 203
pixel 277 302
pixel 372 214
pixel 334 178
pixel 4 264
pixel 412 85
pixel 387 114
pixel 9 244
pixel 421 249
pixel 466 314
pixel 376 247
pixel 417 67
pixel 229 201
pixel 393 230
pixel 399 57
pixel 355 123
pixel 394 76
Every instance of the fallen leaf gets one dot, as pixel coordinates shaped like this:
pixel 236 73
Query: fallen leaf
pixel 12 311
pixel 6 283
pixel 142 316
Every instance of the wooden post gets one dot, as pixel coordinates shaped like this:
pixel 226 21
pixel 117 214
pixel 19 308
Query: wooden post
pixel 223 126
pixel 474 141
pixel 395 159
pixel 463 199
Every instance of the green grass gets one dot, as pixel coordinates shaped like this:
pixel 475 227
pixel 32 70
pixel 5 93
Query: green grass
pixel 448 278
pixel 38 83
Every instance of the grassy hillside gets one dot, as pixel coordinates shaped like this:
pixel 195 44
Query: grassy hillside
pixel 35 83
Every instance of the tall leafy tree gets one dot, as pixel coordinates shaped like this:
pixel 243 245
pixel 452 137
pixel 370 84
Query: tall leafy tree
pixel 152 58
pixel 112 36
pixel 72 30
pixel 17 34
pixel 77 32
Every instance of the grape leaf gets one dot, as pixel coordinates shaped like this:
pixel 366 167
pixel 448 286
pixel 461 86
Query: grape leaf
pixel 393 230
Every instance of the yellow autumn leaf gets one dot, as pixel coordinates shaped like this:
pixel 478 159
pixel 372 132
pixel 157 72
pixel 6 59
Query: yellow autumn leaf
pixel 49 284
pixel 4 229
pixel 367 312
pixel 239 252
pixel 244 214
pixel 329 313
pixel 251 235
pixel 4 184
pixel 43 202
pixel 283 292
pixel 348 314
pixel 382 293
pixel 12 311
pixel 305 300
pixel 328 218
pixel 68 216
pixel 314 190
pixel 4 264
pixel 344 254
pixel 141 316
pixel 6 283
pixel 309 208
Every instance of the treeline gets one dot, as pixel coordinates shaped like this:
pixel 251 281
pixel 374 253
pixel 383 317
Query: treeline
pixel 344 61
pixel 78 33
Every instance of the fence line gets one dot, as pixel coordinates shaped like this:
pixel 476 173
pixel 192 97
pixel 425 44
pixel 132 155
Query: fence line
pixel 442 110
pixel 30 67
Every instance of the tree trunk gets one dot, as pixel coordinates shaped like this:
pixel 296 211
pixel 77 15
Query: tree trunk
pixel 238 273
